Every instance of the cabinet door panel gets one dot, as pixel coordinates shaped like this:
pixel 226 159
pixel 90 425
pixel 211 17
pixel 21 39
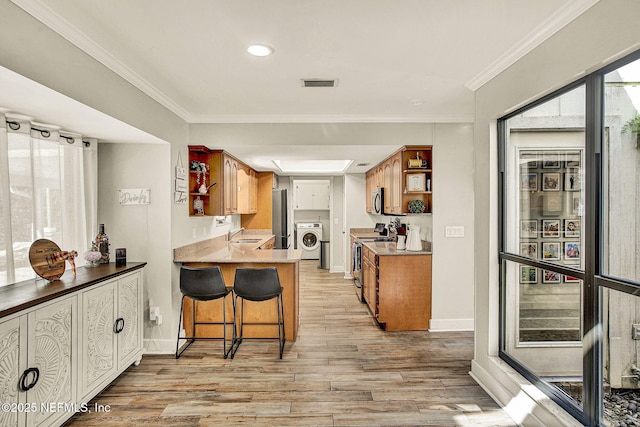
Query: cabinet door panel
pixel 51 338
pixel 129 309
pixel 98 343
pixel 12 346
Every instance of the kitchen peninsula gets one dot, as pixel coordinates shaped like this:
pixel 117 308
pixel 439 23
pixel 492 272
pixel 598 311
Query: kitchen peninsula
pixel 249 249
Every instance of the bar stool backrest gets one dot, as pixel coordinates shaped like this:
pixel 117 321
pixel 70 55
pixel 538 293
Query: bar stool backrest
pixel 202 283
pixel 257 284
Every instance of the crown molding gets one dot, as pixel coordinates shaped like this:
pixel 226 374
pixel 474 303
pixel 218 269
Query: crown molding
pixel 71 33
pixel 555 23
pixel 337 118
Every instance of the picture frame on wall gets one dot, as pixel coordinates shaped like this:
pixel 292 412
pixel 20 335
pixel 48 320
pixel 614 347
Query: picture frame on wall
pixel 552 204
pixel 528 274
pixel 550 276
pixel 572 160
pixel 529 182
pixel 551 161
pixel 551 181
pixel 529 249
pixel 551 251
pixel 550 228
pixel 576 203
pixel 572 180
pixel 572 251
pixel 571 279
pixel 529 229
pixel 571 228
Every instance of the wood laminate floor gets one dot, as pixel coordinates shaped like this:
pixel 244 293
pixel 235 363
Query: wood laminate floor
pixel 342 371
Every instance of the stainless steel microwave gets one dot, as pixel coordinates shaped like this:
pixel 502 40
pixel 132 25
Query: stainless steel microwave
pixel 377 201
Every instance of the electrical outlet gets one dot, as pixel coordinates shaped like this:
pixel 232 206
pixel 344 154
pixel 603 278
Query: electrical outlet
pixel 635 331
pixel 154 312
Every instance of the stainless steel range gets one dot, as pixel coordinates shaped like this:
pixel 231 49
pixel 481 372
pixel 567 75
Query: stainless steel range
pixel 357 262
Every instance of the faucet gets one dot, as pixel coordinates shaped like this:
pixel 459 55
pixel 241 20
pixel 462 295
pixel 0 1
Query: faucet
pixel 233 233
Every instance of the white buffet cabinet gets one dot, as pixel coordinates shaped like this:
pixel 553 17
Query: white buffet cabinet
pixel 57 355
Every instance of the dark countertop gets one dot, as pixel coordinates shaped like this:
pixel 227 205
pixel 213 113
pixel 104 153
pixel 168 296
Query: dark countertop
pixel 28 293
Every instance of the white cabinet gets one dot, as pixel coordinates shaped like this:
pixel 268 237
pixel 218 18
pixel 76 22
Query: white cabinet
pixel 111 337
pixel 57 355
pixel 37 364
pixel 311 194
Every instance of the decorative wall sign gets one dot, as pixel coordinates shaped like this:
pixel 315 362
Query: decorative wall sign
pixel 134 196
pixel 180 188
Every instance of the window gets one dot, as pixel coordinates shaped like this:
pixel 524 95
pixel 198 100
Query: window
pixel 570 243
pixel 41 195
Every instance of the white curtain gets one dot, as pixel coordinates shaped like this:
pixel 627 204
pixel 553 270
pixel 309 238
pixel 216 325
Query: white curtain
pixel 43 192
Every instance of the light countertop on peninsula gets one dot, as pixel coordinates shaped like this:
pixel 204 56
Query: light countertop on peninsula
pixel 219 250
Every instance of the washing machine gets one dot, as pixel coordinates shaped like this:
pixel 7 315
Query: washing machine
pixel 308 239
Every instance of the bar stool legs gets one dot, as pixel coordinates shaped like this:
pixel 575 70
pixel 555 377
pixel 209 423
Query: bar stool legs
pixel 190 340
pixel 238 336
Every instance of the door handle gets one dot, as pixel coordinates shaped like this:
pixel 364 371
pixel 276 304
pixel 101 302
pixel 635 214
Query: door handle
pixel 25 376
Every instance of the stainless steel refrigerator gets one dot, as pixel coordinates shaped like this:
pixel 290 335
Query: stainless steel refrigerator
pixel 279 222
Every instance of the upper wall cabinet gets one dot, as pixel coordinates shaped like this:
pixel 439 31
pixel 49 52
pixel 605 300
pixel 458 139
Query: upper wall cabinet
pixel 406 177
pixel 311 194
pixel 220 184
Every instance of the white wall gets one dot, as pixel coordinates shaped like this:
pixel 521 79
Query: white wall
pixel 453 197
pixel 141 229
pixel 603 33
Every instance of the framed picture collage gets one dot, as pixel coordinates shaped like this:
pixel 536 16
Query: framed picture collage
pixel 550 212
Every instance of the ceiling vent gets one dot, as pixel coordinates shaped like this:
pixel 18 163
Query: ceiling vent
pixel 319 82
pixel 362 164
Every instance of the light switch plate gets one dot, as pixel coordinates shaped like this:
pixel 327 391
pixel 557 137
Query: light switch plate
pixel 454 231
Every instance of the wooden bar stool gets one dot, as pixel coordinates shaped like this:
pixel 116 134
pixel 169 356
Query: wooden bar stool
pixel 203 284
pixel 256 284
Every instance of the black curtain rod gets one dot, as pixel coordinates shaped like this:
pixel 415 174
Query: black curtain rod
pixel 13 125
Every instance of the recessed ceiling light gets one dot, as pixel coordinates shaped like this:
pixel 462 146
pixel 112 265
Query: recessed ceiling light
pixel 416 102
pixel 260 50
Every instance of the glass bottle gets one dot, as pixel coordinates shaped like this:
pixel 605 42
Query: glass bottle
pixel 102 242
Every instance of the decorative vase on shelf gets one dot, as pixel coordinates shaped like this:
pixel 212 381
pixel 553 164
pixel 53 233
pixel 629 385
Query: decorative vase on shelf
pixel 413 240
pixel 102 243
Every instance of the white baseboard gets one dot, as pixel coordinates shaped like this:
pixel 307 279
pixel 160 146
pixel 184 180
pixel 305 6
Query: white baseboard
pixel 159 346
pixel 451 325
pixel 337 269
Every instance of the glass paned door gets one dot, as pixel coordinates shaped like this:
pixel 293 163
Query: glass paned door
pixel 543 218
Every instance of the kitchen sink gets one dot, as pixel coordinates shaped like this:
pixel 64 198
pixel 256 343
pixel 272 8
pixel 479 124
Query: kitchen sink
pixel 246 241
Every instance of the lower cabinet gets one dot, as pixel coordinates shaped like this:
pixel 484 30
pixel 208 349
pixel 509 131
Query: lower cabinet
pixel 37 365
pixel 56 356
pixel 111 332
pixel 397 289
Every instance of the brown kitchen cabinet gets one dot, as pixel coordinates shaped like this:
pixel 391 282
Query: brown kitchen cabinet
pixel 404 292
pixel 370 186
pixel 235 190
pixel 405 176
pixel 370 280
pixel 397 289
